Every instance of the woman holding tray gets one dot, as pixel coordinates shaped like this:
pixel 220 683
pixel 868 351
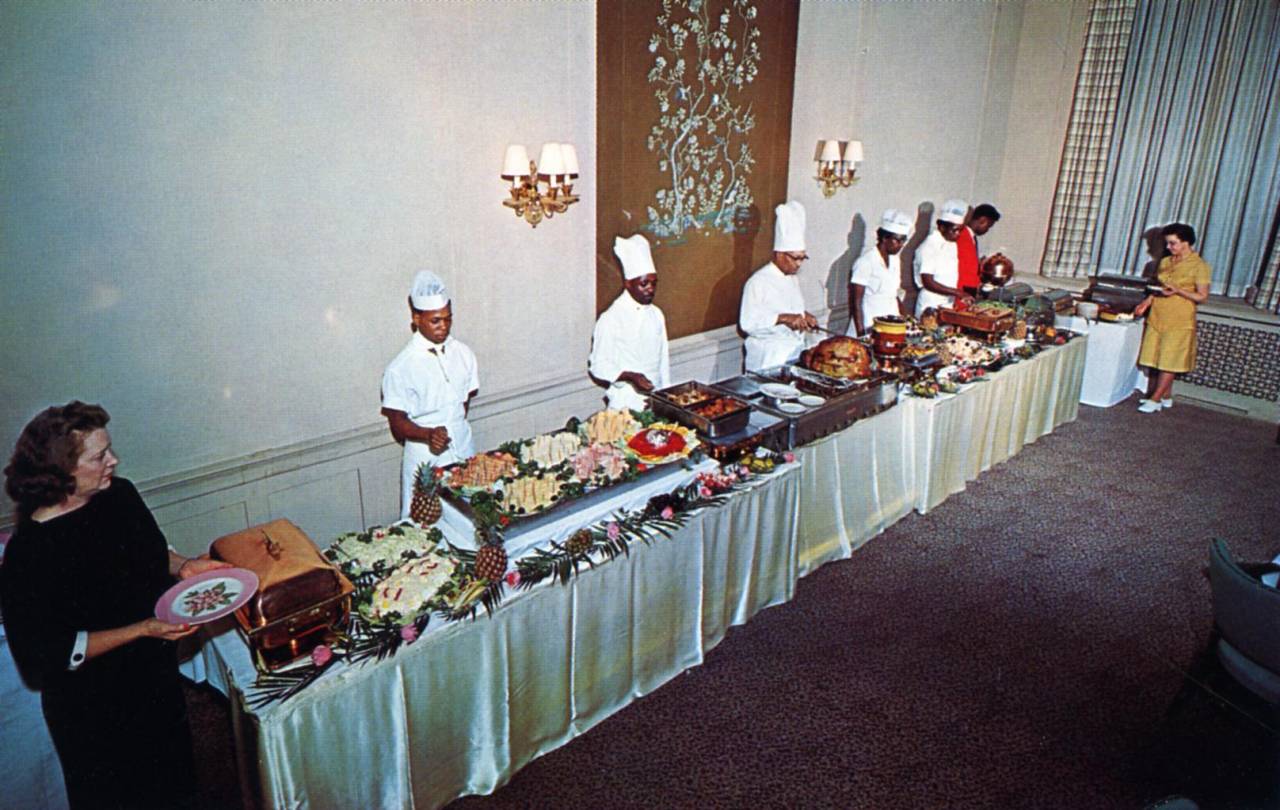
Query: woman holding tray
pixel 78 586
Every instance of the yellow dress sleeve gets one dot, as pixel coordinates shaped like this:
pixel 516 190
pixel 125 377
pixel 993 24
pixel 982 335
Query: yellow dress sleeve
pixel 1202 273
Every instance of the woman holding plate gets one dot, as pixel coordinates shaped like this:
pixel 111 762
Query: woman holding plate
pixel 78 587
pixel 1169 340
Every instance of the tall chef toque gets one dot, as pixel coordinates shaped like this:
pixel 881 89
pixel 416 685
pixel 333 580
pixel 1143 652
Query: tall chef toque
pixel 953 211
pixel 636 258
pixel 895 221
pixel 428 292
pixel 788 227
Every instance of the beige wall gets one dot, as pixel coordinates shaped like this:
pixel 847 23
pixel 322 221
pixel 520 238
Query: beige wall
pixel 211 213
pixel 962 99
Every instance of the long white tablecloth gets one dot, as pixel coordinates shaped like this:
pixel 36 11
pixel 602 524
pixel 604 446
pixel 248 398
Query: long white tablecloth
pixel 854 484
pixel 462 709
pixel 955 437
pixel 1111 372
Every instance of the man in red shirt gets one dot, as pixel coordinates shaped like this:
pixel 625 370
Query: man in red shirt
pixel 980 221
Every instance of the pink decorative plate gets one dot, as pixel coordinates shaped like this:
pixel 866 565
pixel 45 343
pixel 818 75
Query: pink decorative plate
pixel 207 597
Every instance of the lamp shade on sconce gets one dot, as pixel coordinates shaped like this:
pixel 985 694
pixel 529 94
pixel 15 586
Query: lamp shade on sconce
pixel 853 152
pixel 551 161
pixel 830 152
pixel 516 162
pixel 569 154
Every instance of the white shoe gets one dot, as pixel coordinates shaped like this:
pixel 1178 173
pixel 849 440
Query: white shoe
pixel 1148 406
pixel 1167 402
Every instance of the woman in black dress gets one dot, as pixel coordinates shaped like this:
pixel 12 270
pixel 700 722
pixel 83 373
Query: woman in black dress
pixel 79 584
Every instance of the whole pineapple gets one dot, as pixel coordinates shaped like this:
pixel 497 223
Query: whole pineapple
pixel 579 543
pixel 491 559
pixel 425 508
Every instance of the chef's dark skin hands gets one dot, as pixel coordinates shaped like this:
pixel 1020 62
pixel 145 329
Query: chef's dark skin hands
pixel 636 380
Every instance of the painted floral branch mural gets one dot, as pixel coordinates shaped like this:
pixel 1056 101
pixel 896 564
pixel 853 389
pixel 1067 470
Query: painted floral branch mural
pixel 700 137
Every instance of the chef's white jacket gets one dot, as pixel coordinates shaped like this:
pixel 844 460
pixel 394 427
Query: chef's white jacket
pixel 431 382
pixel 767 294
pixel 881 283
pixel 630 336
pixel 938 258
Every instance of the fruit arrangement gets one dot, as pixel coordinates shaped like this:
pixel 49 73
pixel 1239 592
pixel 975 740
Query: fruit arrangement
pixel 760 461
pixel 425 507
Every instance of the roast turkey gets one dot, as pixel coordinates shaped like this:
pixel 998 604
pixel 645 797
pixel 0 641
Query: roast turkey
pixel 839 356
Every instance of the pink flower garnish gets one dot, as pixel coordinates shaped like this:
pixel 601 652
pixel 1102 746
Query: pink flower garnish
pixel 409 633
pixel 321 655
pixel 667 513
pixel 704 491
pixel 378 534
pixel 788 457
pixel 512 578
pixel 613 530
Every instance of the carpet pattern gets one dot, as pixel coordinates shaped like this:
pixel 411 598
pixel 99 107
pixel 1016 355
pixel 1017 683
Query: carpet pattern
pixel 1039 640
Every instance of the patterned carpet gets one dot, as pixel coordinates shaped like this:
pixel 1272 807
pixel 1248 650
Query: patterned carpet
pixel 1037 641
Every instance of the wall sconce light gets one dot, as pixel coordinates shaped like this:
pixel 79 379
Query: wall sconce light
pixel 837 168
pixel 540 189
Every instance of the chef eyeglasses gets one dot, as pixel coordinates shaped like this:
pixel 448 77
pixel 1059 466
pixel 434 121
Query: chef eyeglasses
pixel 797 257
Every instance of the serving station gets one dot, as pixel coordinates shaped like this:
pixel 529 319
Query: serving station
pixel 457 707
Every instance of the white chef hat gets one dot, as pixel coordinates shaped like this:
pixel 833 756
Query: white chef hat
pixel 428 292
pixel 895 221
pixel 953 211
pixel 788 227
pixel 634 253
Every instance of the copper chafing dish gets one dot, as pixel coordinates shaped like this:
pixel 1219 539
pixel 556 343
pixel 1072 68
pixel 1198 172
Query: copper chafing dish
pixel 978 321
pixel 301 596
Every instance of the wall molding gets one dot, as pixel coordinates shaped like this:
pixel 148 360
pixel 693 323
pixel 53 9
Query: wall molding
pixel 350 480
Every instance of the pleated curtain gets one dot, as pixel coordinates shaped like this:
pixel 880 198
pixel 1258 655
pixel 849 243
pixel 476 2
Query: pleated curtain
pixel 1082 173
pixel 1195 139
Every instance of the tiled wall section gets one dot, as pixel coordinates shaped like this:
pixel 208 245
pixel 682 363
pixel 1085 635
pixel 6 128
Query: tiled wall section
pixel 1239 358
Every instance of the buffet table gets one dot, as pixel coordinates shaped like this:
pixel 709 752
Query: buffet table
pixel 1111 371
pixel 955 437
pixel 462 709
pixel 468 704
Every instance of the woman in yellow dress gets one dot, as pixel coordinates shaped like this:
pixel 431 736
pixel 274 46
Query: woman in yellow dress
pixel 1169 341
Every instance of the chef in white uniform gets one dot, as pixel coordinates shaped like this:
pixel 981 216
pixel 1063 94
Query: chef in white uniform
pixel 427 388
pixel 937 263
pixel 629 346
pixel 875 285
pixel 772 313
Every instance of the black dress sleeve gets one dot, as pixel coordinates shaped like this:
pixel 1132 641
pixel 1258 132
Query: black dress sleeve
pixel 40 634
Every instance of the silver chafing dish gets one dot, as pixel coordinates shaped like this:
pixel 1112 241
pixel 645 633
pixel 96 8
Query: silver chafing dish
pixel 1013 294
pixel 844 401
pixel 1117 293
pixel 688 404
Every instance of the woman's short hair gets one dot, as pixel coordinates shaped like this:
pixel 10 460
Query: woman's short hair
pixel 1181 230
pixel 39 471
